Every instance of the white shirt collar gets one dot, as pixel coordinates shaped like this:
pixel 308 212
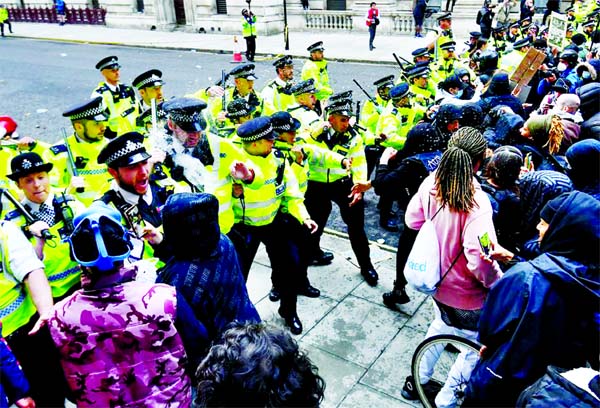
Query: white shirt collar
pixel 36 206
pixel 132 198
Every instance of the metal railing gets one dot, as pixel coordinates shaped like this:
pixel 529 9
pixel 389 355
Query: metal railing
pixel 48 15
pixel 405 23
pixel 328 20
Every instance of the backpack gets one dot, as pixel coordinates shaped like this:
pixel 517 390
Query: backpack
pixel 422 268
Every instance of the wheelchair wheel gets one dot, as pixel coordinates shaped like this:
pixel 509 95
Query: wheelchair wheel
pixel 444 350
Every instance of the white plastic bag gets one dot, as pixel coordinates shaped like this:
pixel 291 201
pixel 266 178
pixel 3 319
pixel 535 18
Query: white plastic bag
pixel 422 268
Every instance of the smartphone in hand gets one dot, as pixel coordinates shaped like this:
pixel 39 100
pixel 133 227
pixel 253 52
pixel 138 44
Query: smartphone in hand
pixel 485 243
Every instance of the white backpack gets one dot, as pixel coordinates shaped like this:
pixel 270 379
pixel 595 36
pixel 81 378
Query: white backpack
pixel 422 268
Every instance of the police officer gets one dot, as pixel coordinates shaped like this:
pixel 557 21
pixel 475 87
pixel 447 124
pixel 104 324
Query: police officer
pixel 26 302
pixel 445 66
pixel 305 108
pixel 328 185
pixel 276 94
pixel 421 86
pixel 499 40
pixel 514 33
pixel 299 158
pixel 257 220
pixel 421 55
pixel 441 35
pixel 149 85
pixel 510 62
pixel 371 109
pixel 206 162
pixel 399 117
pixel 74 158
pixel 239 111
pixel 53 213
pixel 315 68
pixel 119 98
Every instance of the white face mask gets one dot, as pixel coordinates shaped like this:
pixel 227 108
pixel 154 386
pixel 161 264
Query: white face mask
pixel 561 66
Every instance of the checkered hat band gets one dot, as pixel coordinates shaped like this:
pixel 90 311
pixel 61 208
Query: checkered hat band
pixel 253 138
pixel 184 117
pixel 93 112
pixel 283 128
pixel 340 108
pixel 129 147
pixel 152 80
pixel 238 114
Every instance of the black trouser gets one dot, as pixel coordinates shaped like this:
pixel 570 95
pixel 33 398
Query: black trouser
pixel 250 47
pixel 299 236
pixel 405 243
pixel 318 200
pixel 282 253
pixel 7 22
pixel 372 154
pixel 40 361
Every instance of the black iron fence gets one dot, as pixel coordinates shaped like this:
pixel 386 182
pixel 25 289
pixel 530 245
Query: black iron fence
pixel 48 15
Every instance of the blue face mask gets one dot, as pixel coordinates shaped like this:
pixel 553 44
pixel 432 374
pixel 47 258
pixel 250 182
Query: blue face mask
pixel 586 75
pixel 459 93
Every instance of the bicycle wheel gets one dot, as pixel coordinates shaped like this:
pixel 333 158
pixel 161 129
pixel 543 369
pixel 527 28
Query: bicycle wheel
pixel 443 369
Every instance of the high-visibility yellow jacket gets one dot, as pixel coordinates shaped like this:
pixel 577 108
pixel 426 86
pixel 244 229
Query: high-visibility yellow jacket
pixel 395 123
pixel 122 105
pixel 276 96
pixel 317 70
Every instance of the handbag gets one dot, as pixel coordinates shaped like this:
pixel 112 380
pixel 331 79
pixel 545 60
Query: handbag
pixel 422 268
pixel 376 23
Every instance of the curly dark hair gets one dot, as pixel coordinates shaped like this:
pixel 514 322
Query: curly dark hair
pixel 257 365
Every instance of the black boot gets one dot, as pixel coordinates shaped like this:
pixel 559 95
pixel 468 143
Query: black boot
pixel 292 321
pixel 396 296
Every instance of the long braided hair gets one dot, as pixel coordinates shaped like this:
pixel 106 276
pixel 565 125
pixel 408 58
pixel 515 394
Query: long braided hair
pixel 454 176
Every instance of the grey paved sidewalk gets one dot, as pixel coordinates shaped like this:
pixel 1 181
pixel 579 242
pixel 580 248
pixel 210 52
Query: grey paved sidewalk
pixel 345 46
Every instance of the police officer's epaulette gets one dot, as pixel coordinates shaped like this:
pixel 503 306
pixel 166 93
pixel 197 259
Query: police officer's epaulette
pixel 57 149
pixel 295 107
pixel 102 89
pixel 12 215
pixel 63 198
pixel 278 154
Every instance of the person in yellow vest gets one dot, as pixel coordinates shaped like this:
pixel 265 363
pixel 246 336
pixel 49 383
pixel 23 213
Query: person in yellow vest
pixel 138 198
pixel 80 150
pixel 276 93
pixel 208 163
pixel 239 111
pixel 243 78
pixel 304 109
pixel 4 19
pixel 315 68
pixel 25 306
pixel 514 33
pixel 589 30
pixel 441 35
pixel 258 218
pixel 369 114
pixel 53 212
pixel 327 185
pixel 118 98
pixel 511 61
pixel 149 85
pixel 580 11
pixel 444 67
pixel 299 158
pixel 421 55
pixel 421 87
pixel 249 33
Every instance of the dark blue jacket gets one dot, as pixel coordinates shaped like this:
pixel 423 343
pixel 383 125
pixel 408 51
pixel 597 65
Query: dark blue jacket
pixel 543 312
pixel 13 384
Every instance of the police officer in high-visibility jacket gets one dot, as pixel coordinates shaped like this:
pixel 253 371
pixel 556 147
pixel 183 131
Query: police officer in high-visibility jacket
pixel 208 163
pixel 25 304
pixel 53 212
pixel 327 185
pixel 304 109
pixel 442 34
pixel 444 66
pixel 369 115
pixel 421 86
pixel 299 158
pixel 119 98
pixel 276 94
pixel 316 68
pixel 510 62
pixel 258 220
pixel 75 166
pixel 149 85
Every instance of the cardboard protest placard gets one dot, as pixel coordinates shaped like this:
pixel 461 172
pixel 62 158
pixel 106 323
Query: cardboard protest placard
pixel 557 29
pixel 528 66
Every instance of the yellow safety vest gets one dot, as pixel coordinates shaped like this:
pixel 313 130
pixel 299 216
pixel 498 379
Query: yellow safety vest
pixel 317 70
pixel 123 107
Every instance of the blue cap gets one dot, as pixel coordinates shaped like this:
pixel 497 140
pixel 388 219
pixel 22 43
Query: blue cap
pixel 256 129
pixel 283 61
pixel 385 81
pixel 152 77
pixel 343 107
pixel 123 151
pixel 245 71
pixel 303 87
pixel 239 108
pixel 284 122
pixel 318 46
pixel 108 63
pixel 342 96
pixel 186 113
pixel 399 91
pixel 420 52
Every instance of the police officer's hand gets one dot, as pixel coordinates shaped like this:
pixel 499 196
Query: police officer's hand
pixel 239 171
pixel 77 182
pixel 388 154
pixel 352 121
pixel 215 91
pixel 347 164
pixel 157 156
pixel 26 402
pixel 356 196
pixel 237 190
pixel 26 143
pixel 360 187
pixel 311 225
pixel 37 227
pixel 221 116
pixel 152 234
pixel 298 153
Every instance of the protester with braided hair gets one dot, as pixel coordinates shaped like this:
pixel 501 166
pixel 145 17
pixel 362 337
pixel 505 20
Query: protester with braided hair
pixel 460 212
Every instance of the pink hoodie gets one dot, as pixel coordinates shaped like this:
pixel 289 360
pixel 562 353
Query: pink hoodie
pixel 467 284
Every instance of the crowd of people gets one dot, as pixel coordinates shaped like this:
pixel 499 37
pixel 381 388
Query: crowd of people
pixel 126 246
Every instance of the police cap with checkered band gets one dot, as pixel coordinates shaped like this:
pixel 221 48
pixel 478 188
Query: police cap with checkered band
pixel 92 109
pixel 125 150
